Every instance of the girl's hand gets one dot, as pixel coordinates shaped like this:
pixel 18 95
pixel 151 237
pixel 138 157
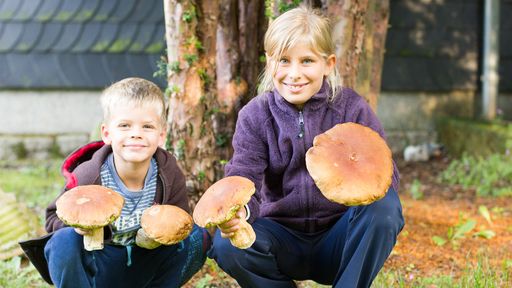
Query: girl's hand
pixel 228 229
pixel 83 231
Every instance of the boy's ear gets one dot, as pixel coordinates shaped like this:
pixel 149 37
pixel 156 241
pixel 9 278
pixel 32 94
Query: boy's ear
pixel 105 134
pixel 163 136
pixel 331 63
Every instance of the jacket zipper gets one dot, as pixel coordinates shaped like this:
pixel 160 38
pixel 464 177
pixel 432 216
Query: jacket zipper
pixel 301 124
pixel 301 135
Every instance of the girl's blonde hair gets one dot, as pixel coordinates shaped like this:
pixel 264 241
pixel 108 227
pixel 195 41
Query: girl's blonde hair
pixel 133 91
pixel 299 25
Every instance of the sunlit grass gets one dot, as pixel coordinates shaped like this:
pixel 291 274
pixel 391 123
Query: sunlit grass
pixel 34 183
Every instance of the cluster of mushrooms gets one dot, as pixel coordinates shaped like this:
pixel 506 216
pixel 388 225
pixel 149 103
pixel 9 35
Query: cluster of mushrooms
pixel 350 164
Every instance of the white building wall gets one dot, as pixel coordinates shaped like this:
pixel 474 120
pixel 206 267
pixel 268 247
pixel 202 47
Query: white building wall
pixel 39 123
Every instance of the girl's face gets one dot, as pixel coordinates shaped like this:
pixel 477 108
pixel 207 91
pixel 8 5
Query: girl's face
pixel 300 73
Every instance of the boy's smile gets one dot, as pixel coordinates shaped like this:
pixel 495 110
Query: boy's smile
pixel 135 132
pixel 300 73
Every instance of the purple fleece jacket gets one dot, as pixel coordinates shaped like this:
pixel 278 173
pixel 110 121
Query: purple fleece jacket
pixel 269 151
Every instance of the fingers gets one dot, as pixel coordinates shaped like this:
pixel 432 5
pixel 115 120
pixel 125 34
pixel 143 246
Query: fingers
pixel 228 229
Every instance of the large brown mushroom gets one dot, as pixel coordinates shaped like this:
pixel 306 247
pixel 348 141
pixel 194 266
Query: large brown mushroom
pixel 350 164
pixel 90 207
pixel 220 203
pixel 163 225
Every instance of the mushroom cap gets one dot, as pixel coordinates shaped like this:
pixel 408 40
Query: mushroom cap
pixel 89 206
pixel 222 199
pixel 351 164
pixel 166 224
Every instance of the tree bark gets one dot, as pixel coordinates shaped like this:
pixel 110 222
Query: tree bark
pixel 360 32
pixel 207 87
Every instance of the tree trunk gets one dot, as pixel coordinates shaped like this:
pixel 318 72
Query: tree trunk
pixel 214 51
pixel 360 32
pixel 206 87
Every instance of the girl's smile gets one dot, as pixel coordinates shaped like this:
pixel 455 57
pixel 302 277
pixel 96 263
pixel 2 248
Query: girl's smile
pixel 300 73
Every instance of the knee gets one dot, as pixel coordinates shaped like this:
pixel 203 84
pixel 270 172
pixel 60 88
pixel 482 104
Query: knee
pixel 65 243
pixel 223 252
pixel 386 214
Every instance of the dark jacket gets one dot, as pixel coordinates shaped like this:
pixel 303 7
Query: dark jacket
pixel 82 167
pixel 270 142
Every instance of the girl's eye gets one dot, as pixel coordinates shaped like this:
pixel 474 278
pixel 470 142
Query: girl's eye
pixel 123 125
pixel 149 127
pixel 283 61
pixel 307 61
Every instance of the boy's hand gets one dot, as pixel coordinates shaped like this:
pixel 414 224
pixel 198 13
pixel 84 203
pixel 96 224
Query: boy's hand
pixel 83 231
pixel 228 229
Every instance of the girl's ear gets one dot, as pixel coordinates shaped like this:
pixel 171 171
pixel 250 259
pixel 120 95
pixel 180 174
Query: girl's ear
pixel 330 64
pixel 105 134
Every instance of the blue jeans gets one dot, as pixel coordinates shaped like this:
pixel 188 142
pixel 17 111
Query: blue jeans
pixel 349 254
pixel 121 266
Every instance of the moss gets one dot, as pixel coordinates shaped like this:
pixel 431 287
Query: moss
pixel 154 48
pixel 135 47
pixel 101 17
pixel 44 17
pixel 20 150
pixel 100 46
pixel 84 15
pixel 6 15
pixel 119 45
pixel 476 138
pixel 63 16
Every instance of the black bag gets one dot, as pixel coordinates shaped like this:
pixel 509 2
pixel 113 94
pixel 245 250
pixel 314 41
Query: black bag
pixel 34 249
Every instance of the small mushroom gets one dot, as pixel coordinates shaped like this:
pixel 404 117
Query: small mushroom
pixel 220 203
pixel 350 164
pixel 163 224
pixel 90 207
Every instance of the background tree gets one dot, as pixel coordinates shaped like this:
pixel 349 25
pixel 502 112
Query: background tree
pixel 215 54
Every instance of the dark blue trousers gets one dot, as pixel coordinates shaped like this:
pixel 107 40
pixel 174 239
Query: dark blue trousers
pixel 116 266
pixel 349 254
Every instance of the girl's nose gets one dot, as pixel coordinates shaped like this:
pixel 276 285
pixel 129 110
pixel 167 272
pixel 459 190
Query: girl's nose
pixel 294 72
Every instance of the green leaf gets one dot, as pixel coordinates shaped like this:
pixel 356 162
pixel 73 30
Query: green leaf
pixel 485 213
pixel 439 241
pixel 487 234
pixel 463 229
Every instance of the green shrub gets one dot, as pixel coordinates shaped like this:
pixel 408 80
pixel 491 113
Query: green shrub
pixel 490 176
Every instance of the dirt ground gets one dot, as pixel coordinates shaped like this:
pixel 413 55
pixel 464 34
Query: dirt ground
pixel 443 207
pixel 440 208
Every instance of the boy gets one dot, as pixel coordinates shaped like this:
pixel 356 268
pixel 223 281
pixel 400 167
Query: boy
pixel 129 161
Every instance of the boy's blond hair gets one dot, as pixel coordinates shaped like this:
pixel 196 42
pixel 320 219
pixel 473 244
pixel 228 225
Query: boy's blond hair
pixel 133 91
pixel 299 25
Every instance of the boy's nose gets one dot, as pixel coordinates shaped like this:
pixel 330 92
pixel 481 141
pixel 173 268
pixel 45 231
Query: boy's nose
pixel 136 133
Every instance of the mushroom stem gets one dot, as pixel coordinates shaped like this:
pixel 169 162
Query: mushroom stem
pixel 143 240
pixel 244 237
pixel 94 240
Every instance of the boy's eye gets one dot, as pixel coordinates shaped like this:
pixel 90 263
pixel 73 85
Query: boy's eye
pixel 148 126
pixel 307 61
pixel 123 125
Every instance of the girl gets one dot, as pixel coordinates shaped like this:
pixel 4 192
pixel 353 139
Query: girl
pixel 299 233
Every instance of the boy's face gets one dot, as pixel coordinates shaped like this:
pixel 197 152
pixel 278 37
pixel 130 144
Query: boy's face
pixel 135 132
pixel 300 73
